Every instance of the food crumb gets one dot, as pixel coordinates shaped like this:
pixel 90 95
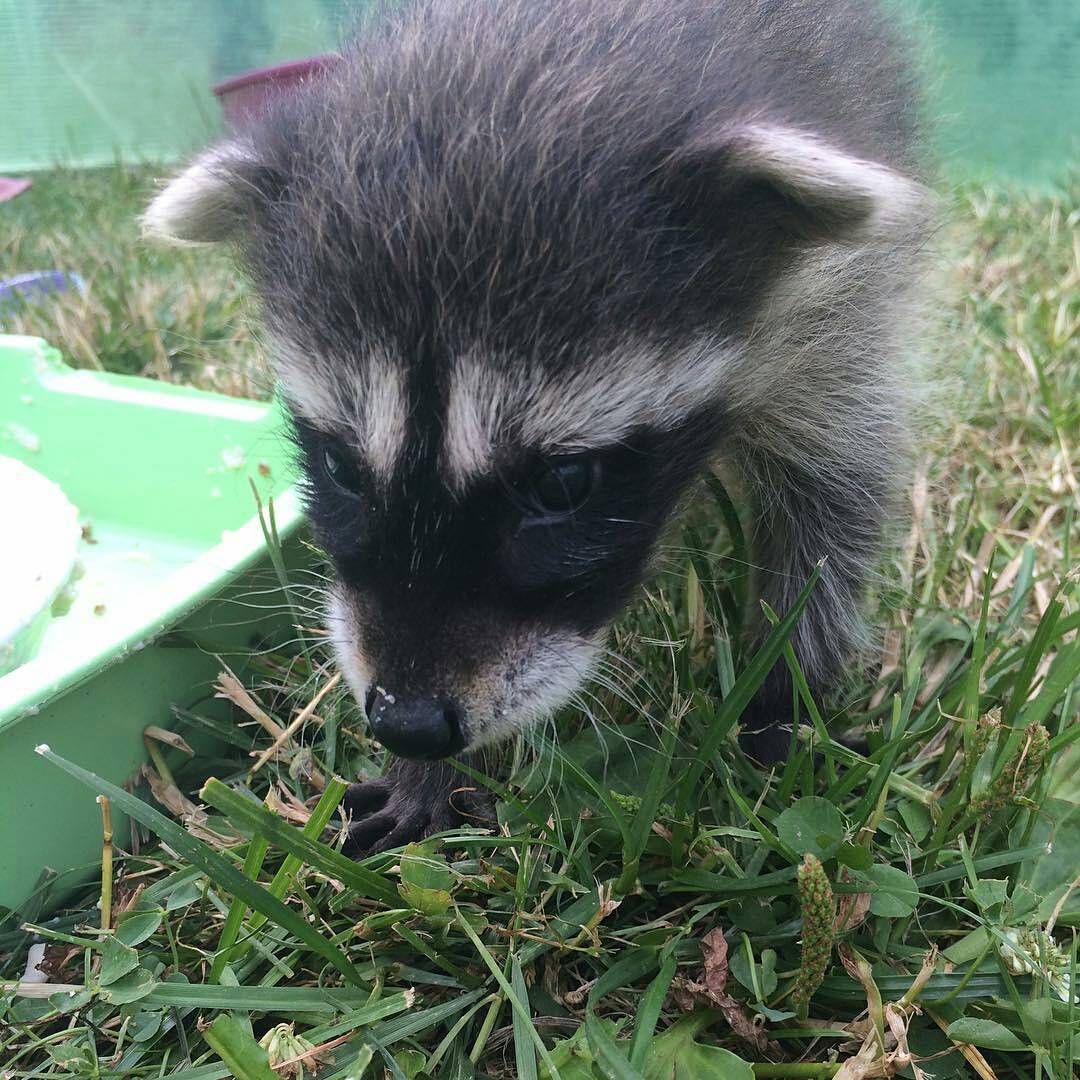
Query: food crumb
pixel 233 457
pixel 24 437
pixel 99 609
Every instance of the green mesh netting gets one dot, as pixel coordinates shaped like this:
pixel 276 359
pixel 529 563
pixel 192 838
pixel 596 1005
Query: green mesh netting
pixel 84 82
pixel 1003 85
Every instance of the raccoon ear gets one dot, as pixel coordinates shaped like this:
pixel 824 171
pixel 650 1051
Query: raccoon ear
pixel 204 204
pixel 814 191
pixel 836 191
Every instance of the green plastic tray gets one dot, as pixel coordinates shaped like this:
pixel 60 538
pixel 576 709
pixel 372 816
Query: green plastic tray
pixel 176 577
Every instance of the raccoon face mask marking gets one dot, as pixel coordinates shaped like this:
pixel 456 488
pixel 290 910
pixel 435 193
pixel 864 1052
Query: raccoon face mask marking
pixel 489 602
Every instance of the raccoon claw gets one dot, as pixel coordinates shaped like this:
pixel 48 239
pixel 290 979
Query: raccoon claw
pixel 413 801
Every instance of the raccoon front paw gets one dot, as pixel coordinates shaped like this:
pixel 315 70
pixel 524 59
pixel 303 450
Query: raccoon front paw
pixel 768 745
pixel 765 725
pixel 413 801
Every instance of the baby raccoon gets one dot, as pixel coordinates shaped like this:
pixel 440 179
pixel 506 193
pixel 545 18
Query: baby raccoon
pixel 528 267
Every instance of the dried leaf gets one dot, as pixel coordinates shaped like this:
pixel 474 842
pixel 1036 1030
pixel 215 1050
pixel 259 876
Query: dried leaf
pixel 284 803
pixel 229 687
pixel 215 839
pixel 709 989
pixel 169 738
pixel 608 905
pixel 172 798
pixel 714 947
pixel 128 902
pixel 302 717
pixel 851 909
pixel 864 1064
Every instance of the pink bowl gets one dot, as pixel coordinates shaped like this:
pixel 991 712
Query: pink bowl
pixel 10 187
pixel 243 96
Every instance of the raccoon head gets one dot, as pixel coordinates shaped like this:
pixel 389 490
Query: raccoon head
pixel 508 353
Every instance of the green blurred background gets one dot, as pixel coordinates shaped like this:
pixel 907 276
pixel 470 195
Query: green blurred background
pixel 90 82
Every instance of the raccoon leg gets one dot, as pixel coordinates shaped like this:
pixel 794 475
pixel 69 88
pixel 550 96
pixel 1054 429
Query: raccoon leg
pixel 834 510
pixel 415 799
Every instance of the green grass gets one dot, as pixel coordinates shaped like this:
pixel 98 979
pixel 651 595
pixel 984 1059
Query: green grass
pixel 588 937
pixel 173 315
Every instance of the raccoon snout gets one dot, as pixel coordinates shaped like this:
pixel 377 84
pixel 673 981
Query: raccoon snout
pixel 414 728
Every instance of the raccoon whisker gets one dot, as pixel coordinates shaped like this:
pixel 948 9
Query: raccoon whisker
pixel 624 693
pixel 624 679
pixel 624 664
pixel 582 699
pixel 717 557
pixel 531 739
pixel 604 723
pixel 307 571
pixel 630 673
pixel 589 715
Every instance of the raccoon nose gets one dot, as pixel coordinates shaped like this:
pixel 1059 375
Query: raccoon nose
pixel 414 728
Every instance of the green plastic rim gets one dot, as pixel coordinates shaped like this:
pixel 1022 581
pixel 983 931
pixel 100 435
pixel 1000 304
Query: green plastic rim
pixel 70 407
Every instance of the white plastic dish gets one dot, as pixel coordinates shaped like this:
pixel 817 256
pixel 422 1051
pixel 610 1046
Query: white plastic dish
pixel 39 546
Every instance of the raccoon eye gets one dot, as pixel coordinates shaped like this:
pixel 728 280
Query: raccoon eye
pixel 561 487
pixel 341 471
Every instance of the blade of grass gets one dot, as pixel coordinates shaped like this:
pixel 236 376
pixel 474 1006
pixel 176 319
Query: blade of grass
pixel 1064 671
pixel 982 866
pixel 655 788
pixel 424 949
pixel 504 794
pixel 524 1051
pixel 1033 656
pixel 272 539
pixel 586 781
pixel 982 987
pixel 740 549
pixel 901 715
pixel 202 1072
pixel 381 1011
pixel 628 969
pixel 613 1062
pixel 253 861
pixel 581 913
pixel 767 835
pixel 802 688
pixel 245 1058
pixel 300 844
pixel 975 668
pixel 746 685
pixel 773 884
pixel 519 1007
pixel 219 869
pixel 404 1027
pixel 648 1011
pixel 285 999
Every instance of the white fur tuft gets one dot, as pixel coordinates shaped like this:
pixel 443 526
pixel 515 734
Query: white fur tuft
pixel 536 676
pixel 815 171
pixel 592 407
pixel 344 631
pixel 200 205
pixel 365 404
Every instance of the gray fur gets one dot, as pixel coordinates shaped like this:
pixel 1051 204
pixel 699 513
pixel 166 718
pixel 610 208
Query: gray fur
pixel 512 195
